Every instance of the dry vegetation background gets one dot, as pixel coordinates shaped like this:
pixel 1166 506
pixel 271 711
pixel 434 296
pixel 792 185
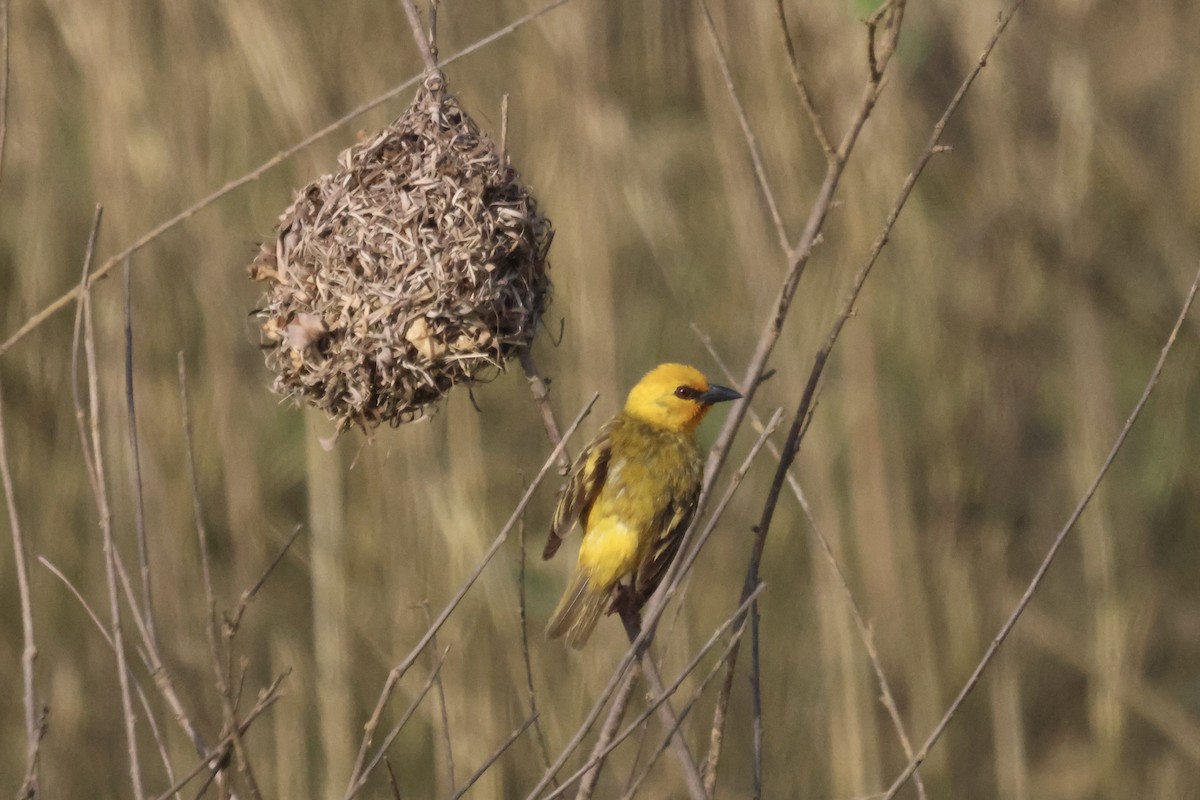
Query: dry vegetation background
pixel 1010 325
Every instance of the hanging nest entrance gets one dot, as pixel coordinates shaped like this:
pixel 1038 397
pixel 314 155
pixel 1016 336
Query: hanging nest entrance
pixel 419 264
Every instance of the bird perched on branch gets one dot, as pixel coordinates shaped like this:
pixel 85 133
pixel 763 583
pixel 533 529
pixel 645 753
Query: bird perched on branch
pixel 633 490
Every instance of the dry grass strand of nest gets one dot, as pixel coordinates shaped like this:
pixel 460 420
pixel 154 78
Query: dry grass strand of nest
pixel 419 264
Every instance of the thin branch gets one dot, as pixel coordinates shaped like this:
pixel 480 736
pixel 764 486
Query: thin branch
pixel 540 389
pixel 760 170
pixel 864 630
pixel 233 621
pixel 230 718
pixel 634 785
pixel 62 302
pixel 803 410
pixel 361 780
pixel 495 756
pixel 392 779
pixel 441 690
pixel 670 723
pixel 731 621
pixel 213 761
pixel 418 32
pixel 797 258
pixel 33 730
pixel 608 731
pixel 398 671
pixel 1044 567
pixel 139 507
pixel 802 86
pixel 142 698
pixel 543 746
pixel 93 456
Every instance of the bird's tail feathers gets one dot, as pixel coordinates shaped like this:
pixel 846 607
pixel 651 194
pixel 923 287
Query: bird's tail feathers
pixel 578 610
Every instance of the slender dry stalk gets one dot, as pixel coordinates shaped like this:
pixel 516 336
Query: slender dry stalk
pixel 141 693
pixel 608 731
pixel 760 170
pixel 62 302
pixel 543 746
pixel 33 730
pixel 445 712
pixel 395 787
pixel 139 507
pixel 226 695
pixel 638 646
pixel 419 35
pixel 233 621
pixel 864 630
pixel 1038 576
pixel 213 761
pixel 652 708
pixel 797 259
pixel 398 671
pixel 94 459
pixel 670 722
pixel 540 390
pixel 495 756
pixel 800 420
pixel 360 780
pixel 635 784
pixel 802 86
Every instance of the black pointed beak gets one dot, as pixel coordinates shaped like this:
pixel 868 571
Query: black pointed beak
pixel 718 394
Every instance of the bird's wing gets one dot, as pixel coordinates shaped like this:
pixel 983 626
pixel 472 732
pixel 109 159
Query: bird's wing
pixel 579 492
pixel 670 525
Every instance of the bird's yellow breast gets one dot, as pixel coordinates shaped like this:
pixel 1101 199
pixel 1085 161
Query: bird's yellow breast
pixel 649 470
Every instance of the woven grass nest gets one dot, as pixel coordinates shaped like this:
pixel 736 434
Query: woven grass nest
pixel 417 265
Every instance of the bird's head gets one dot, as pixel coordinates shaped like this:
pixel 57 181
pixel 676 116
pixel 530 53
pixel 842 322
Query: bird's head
pixel 675 397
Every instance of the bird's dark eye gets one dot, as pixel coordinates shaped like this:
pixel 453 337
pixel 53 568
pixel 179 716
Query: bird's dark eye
pixel 687 393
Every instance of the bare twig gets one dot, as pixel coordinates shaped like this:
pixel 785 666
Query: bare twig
pixel 398 671
pixel 234 620
pixel 543 746
pixel 666 714
pixel 634 785
pixel 94 458
pixel 33 730
pixel 419 35
pixel 230 718
pixel 797 259
pixel 441 690
pixel 495 756
pixel 504 129
pixel 864 630
pixel 213 762
pixel 539 388
pixel 392 784
pixel 62 302
pixel 142 699
pixel 608 731
pixel 1044 567
pixel 799 421
pixel 802 86
pixel 139 508
pixel 733 619
pixel 360 780
pixel 760 170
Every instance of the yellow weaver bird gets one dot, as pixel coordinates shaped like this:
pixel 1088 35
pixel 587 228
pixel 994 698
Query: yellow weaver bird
pixel 633 490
